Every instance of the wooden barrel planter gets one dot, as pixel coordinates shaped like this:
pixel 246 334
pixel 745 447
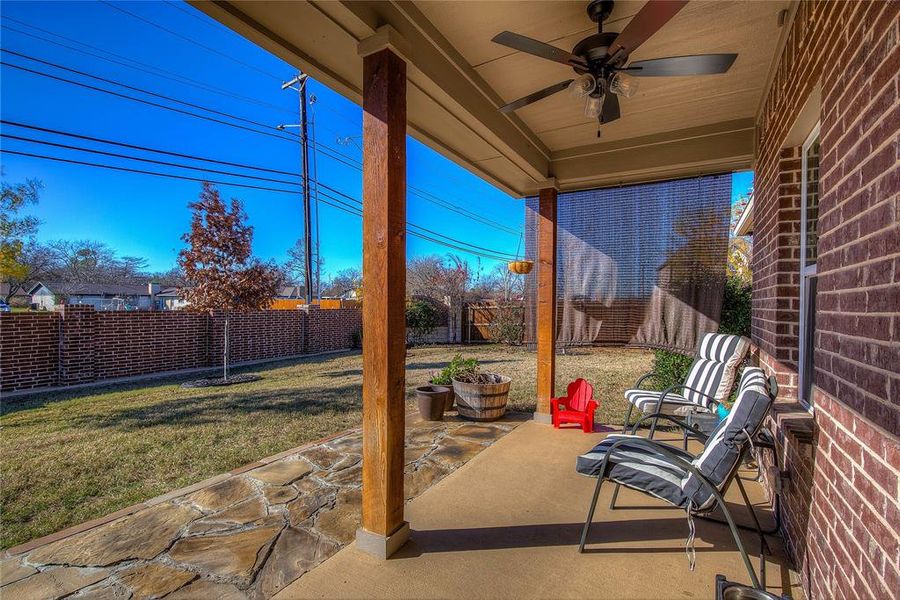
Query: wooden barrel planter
pixel 482 401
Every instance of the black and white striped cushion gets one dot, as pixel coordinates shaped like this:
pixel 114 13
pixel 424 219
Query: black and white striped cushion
pixel 712 374
pixel 723 448
pixel 715 367
pixel 646 401
pixel 637 467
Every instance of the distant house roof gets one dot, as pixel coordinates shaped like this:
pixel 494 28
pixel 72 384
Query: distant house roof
pixel 4 290
pixel 93 289
pixel 291 291
pixel 169 292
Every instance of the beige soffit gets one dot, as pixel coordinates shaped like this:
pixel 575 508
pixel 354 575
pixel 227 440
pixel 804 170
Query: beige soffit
pixel 744 226
pixel 679 126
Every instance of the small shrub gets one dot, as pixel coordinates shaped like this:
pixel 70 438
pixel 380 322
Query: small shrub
pixel 736 307
pixel 670 368
pixel 508 324
pixel 421 319
pixel 461 369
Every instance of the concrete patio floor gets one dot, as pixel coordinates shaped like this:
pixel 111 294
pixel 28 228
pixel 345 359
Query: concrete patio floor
pixel 507 524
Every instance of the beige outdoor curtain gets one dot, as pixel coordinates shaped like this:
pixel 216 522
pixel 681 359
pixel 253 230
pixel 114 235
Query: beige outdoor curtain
pixel 640 265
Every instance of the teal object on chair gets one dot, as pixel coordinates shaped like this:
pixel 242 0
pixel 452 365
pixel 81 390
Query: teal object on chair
pixel 722 412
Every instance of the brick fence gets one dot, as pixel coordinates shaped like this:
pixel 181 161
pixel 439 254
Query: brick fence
pixel 78 344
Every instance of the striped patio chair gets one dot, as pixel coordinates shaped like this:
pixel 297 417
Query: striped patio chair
pixel 696 484
pixel 708 382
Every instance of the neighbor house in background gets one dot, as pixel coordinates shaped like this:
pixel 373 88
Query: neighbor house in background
pixel 101 296
pixel 170 298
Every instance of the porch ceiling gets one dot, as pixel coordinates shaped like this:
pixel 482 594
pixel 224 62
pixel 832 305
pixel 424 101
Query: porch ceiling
pixel 673 127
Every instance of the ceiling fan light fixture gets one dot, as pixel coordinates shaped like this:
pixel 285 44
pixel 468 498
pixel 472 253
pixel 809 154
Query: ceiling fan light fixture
pixel 624 85
pixel 582 85
pixel 592 106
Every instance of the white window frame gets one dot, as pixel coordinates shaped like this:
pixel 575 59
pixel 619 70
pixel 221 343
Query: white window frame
pixel 807 272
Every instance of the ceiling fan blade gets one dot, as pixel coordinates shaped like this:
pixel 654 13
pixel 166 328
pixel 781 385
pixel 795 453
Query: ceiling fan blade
pixel 610 111
pixel 644 24
pixel 537 48
pixel 699 64
pixel 535 96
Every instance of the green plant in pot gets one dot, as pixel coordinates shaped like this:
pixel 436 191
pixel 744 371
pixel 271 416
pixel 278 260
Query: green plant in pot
pixel 480 396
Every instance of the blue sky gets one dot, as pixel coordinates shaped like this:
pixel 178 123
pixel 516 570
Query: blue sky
pixel 142 215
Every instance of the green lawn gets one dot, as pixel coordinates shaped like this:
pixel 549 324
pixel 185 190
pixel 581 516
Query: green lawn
pixel 72 456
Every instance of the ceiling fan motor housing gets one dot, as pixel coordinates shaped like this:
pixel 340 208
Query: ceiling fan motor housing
pixel 594 47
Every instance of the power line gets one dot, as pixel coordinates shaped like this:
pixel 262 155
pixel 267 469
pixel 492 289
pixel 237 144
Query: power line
pixel 141 100
pixel 146 160
pixel 196 168
pixel 131 63
pixel 288 137
pixel 452 243
pixel 136 89
pixel 327 150
pixel 192 14
pixel 191 40
pixel 143 148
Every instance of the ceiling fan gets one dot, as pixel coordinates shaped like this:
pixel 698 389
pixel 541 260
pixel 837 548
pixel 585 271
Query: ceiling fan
pixel 600 59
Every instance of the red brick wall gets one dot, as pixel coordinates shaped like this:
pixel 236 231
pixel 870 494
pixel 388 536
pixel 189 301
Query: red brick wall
pixel 258 335
pixel 29 350
pixel 136 343
pixel 80 345
pixel 840 505
pixel 78 338
pixel 333 329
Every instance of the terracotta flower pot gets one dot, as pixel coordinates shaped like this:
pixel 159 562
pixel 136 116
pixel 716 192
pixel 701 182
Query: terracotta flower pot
pixel 431 400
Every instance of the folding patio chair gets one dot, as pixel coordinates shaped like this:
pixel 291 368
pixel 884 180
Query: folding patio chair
pixel 708 382
pixel 695 484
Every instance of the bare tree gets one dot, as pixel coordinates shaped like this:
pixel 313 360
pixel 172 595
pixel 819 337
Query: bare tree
pixel 499 284
pixel 295 267
pixel 218 264
pixel 438 277
pixel 344 281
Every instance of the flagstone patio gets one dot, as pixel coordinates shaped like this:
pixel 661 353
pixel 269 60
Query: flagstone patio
pixel 244 534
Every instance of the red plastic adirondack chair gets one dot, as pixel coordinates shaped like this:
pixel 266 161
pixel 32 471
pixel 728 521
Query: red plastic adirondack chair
pixel 577 406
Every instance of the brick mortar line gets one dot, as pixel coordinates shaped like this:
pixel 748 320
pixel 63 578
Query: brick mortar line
pixel 863 263
pixel 860 390
pixel 859 441
pixel 886 494
pixel 835 186
pixel 872 98
pixel 860 215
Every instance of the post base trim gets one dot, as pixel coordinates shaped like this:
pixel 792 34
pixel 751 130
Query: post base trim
pixel 542 417
pixel 380 546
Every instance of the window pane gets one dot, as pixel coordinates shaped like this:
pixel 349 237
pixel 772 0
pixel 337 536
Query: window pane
pixel 808 341
pixel 812 201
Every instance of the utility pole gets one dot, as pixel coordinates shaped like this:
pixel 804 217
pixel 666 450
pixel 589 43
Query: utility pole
pixel 315 168
pixel 298 84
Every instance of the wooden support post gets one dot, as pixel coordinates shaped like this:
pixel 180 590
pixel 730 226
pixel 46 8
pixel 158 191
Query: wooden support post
pixel 546 302
pixel 384 281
